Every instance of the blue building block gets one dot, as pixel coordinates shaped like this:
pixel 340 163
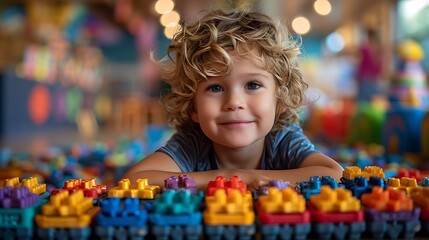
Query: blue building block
pixel 191 232
pixel 307 189
pixel 285 231
pixel 126 213
pixel 116 232
pixel 360 185
pixel 425 182
pixel 338 231
pixel 64 233
pixel 176 215
pixel 392 229
pixel 218 232
pixel 177 202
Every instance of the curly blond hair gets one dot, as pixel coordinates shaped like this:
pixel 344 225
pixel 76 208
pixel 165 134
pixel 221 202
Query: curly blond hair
pixel 203 49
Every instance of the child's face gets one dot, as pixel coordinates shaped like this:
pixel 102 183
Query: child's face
pixel 239 109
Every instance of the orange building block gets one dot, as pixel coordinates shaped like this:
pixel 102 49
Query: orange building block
pixel 387 200
pixel 420 197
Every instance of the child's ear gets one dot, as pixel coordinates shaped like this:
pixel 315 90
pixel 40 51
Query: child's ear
pixel 194 117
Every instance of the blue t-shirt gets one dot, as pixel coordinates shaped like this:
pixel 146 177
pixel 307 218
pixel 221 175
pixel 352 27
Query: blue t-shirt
pixel 193 151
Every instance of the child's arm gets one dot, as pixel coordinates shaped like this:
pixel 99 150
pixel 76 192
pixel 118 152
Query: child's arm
pixel 316 164
pixel 159 166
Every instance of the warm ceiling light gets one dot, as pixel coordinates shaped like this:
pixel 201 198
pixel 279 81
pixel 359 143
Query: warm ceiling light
pixel 170 31
pixel 301 25
pixel 170 19
pixel 164 6
pixel 322 7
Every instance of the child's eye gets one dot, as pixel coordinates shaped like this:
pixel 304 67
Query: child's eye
pixel 214 88
pixel 253 85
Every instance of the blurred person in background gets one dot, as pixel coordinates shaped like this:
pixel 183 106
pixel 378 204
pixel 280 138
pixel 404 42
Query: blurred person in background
pixel 369 67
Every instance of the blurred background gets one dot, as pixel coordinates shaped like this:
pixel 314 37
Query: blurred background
pixel 79 94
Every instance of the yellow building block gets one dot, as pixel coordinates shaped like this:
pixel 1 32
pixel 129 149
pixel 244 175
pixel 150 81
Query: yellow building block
pixel 390 199
pixel 140 189
pixel 233 208
pixel 335 200
pixel 33 185
pixel 63 204
pixel 80 221
pixel 408 185
pixel 286 200
pixel 373 171
pixel 351 172
pixel 10 182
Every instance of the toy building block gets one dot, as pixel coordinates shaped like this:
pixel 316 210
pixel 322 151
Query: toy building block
pixel 88 186
pixel 425 182
pixel 229 214
pixel 10 182
pixel 141 189
pixel 33 185
pixel 121 218
pixel 286 200
pixel 336 213
pixel 360 185
pixel 387 200
pixel 66 215
pixel 177 214
pixel 335 200
pixel 221 183
pixel 408 185
pixel 351 172
pixel 18 206
pixel 228 208
pixel 279 184
pixel 390 212
pixel 421 199
pixel 409 173
pixel 307 189
pixel 183 182
pixel 282 212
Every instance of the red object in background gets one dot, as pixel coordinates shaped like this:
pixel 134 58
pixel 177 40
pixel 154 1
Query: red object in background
pixel 409 173
pixel 335 121
pixel 39 104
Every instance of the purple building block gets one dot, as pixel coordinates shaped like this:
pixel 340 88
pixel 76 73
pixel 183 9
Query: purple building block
pixel 19 197
pixel 182 182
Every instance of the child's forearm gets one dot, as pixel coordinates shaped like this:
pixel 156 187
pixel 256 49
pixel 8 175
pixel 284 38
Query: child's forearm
pixel 252 178
pixel 157 177
pixel 299 175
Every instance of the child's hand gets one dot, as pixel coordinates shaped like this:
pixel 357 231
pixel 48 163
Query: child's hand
pixel 257 183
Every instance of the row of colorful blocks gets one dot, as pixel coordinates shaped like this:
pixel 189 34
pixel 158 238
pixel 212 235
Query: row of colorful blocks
pixel 226 209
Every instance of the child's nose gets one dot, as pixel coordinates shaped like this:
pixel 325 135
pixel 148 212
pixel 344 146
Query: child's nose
pixel 233 102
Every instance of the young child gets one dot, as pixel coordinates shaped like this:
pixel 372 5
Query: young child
pixel 235 92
